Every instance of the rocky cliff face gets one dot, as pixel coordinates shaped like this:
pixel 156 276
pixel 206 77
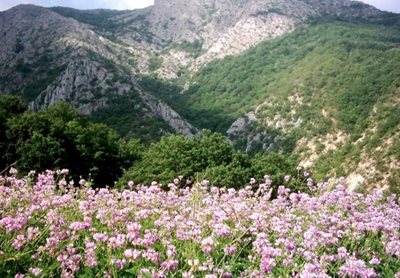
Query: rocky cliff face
pixel 57 54
pixel 209 20
pixel 203 30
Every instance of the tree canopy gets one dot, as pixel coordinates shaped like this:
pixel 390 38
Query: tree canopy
pixel 210 156
pixel 58 137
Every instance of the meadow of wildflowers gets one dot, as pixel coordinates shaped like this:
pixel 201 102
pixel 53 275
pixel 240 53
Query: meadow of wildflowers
pixel 49 228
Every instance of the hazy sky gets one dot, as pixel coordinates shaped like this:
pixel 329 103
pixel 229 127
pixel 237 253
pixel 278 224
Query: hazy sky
pixel 81 4
pixel 388 5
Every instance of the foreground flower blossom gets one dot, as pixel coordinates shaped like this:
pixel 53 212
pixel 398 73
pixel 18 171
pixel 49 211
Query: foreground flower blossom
pixel 48 228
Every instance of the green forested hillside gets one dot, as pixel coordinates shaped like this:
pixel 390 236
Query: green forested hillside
pixel 327 80
pixel 126 115
pixel 349 66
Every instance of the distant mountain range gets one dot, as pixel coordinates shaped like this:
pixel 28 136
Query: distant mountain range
pixel 318 79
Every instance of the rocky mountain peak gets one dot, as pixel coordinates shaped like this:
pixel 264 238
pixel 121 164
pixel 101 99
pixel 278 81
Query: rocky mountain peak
pixel 27 8
pixel 210 29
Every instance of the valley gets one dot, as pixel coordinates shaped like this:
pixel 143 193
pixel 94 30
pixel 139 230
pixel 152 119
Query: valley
pixel 314 80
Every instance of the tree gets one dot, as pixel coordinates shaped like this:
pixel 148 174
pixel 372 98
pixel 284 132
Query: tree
pixel 10 106
pixel 163 161
pixel 235 174
pixel 58 137
pixel 277 166
pixel 209 156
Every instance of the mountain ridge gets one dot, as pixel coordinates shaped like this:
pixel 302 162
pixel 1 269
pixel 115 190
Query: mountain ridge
pixel 216 29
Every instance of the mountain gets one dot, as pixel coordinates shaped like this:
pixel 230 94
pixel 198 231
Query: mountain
pixel 46 57
pixel 317 79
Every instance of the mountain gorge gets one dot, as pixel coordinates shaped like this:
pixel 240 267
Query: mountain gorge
pixel 318 80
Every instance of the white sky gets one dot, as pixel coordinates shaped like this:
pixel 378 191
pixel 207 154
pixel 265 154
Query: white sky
pixel 387 5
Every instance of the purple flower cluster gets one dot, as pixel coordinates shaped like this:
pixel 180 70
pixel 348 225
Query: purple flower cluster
pixel 49 228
